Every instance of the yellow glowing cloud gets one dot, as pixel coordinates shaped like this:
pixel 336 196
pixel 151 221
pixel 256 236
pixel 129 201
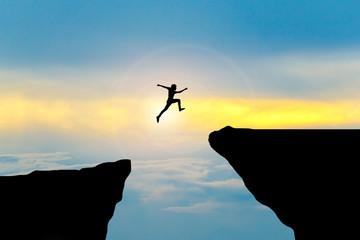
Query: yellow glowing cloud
pixel 116 115
pixel 21 114
pixel 274 113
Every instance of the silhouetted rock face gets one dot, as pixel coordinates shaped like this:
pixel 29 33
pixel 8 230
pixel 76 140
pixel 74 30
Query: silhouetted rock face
pixel 307 177
pixel 61 204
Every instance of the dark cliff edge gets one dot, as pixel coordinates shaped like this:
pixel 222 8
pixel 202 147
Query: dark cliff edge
pixel 307 177
pixel 61 204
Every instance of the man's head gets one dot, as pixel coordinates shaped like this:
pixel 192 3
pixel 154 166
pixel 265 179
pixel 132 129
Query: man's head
pixel 173 86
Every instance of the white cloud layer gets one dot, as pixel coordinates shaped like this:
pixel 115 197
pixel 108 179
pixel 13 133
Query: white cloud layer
pixel 204 207
pixel 172 178
pixel 16 164
pixel 210 206
pixel 232 183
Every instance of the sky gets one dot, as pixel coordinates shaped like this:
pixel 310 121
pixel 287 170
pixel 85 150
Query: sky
pixel 78 87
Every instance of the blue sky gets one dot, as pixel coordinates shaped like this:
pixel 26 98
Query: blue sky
pixel 67 32
pixel 78 87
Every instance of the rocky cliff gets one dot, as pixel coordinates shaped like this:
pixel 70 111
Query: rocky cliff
pixel 307 177
pixel 62 204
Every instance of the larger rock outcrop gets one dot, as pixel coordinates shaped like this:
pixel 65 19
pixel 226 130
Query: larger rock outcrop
pixel 307 177
pixel 62 204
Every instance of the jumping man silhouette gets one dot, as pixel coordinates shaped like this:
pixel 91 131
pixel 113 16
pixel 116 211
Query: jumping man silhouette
pixel 170 100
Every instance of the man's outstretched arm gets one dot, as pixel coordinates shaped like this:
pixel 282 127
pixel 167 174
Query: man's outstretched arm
pixel 181 90
pixel 159 85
